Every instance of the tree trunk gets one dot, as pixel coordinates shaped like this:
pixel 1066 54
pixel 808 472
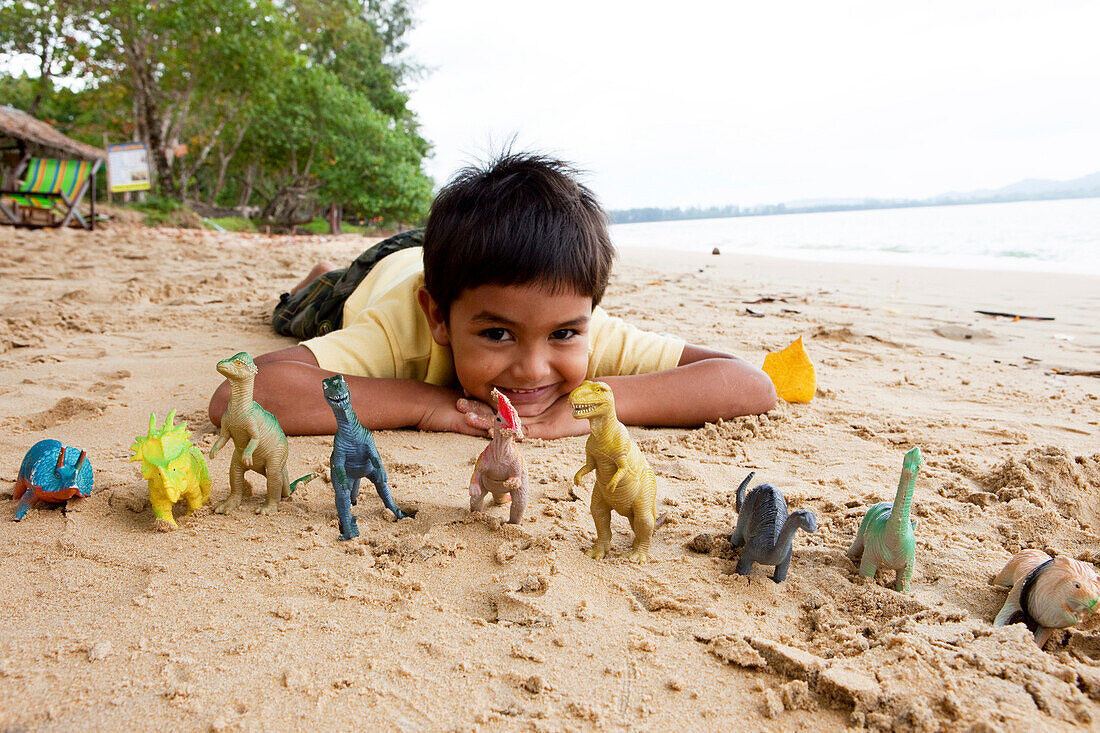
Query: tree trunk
pixel 224 159
pixel 147 115
pixel 188 171
pixel 245 194
pixel 335 219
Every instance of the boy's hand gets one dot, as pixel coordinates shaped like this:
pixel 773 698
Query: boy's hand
pixel 478 414
pixel 444 415
pixel 556 421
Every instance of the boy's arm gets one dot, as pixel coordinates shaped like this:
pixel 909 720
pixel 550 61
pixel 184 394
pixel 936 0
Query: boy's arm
pixel 288 385
pixel 706 385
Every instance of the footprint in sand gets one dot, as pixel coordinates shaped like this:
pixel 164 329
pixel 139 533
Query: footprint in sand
pixel 85 352
pixel 962 333
pixel 66 410
pixel 105 389
pixel 197 421
pixel 111 383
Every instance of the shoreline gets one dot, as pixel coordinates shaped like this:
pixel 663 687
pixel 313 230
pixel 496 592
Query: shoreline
pixel 975 263
pixel 1045 237
pixel 795 211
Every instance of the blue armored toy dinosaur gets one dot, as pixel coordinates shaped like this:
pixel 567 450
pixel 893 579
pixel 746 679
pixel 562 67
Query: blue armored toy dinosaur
pixel 53 473
pixel 354 457
pixel 765 529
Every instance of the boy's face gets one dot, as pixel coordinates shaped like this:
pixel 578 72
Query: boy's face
pixel 527 342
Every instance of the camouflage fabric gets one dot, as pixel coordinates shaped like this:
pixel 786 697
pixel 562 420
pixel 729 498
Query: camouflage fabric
pixel 318 308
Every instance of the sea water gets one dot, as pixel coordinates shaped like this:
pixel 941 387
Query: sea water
pixel 1047 236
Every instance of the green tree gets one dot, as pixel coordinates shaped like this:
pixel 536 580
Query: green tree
pixel 191 67
pixel 320 142
pixel 361 42
pixel 54 34
pixel 301 102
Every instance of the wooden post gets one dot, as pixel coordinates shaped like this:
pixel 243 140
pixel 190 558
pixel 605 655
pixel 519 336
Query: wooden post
pixel 91 215
pixel 334 219
pixel 109 202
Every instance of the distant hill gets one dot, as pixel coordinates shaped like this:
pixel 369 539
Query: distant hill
pixel 1031 189
pixel 1039 188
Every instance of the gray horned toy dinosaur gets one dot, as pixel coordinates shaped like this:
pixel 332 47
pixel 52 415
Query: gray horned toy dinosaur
pixel 885 537
pixel 764 529
pixel 259 443
pixel 354 457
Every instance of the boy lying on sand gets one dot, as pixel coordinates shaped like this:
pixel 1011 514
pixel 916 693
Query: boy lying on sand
pixel 502 294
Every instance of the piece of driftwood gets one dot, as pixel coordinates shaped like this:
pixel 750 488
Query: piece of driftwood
pixel 1016 316
pixel 1078 372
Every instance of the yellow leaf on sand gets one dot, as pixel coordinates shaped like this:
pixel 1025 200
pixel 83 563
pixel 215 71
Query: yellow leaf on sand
pixel 792 373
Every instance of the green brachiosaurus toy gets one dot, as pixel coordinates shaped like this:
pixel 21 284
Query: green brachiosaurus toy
pixel 624 480
pixel 259 443
pixel 885 537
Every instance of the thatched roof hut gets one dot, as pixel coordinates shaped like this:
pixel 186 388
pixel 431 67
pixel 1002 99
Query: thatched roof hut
pixel 23 137
pixel 37 136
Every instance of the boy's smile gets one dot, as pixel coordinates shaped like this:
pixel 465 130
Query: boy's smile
pixel 524 340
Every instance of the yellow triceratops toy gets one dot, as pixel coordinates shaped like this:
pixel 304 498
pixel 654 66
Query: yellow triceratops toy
pixel 174 468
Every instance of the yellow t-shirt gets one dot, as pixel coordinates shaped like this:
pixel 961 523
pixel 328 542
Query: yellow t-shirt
pixel 385 334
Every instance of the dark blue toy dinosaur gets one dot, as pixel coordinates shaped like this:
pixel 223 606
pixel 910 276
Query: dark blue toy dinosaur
pixel 354 457
pixel 765 530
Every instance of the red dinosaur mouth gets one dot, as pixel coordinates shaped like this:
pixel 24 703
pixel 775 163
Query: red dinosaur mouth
pixel 505 411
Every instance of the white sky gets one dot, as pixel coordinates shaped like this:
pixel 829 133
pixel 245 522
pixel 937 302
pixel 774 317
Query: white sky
pixel 693 102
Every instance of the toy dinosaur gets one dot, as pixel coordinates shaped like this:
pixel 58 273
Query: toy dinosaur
pixel 1047 593
pixel 765 530
pixel 499 469
pixel 885 537
pixel 258 441
pixel 624 480
pixel 174 468
pixel 53 473
pixel 354 457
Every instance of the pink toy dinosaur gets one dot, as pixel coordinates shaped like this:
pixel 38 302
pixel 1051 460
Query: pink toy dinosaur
pixel 499 469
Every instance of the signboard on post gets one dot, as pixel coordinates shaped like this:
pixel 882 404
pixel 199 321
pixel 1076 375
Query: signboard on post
pixel 127 167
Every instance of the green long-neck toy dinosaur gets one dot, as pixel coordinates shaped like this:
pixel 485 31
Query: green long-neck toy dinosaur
pixel 259 443
pixel 885 538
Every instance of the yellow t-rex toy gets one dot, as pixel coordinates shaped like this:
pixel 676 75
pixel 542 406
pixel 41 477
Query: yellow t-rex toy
pixel 624 480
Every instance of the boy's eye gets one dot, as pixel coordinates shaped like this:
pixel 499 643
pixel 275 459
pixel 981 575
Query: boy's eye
pixel 496 334
pixel 564 333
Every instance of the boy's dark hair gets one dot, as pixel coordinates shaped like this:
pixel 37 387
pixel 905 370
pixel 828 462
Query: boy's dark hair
pixel 523 218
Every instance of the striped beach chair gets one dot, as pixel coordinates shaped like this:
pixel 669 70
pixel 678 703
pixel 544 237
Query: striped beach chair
pixel 53 185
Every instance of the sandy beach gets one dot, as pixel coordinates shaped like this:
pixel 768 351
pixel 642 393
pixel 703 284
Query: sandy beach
pixel 453 621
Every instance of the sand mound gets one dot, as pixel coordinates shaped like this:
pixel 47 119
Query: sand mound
pixel 1048 477
pixel 727 437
